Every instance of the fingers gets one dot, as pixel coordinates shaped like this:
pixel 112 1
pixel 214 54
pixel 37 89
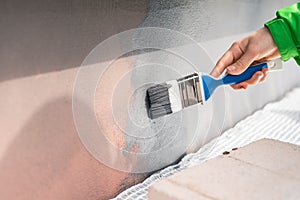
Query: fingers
pixel 258 77
pixel 255 79
pixel 232 54
pixel 242 63
pixel 266 72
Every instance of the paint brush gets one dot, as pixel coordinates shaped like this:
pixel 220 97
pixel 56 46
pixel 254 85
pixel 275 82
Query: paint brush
pixel 175 95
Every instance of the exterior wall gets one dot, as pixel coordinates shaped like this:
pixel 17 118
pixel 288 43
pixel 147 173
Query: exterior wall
pixel 43 36
pixel 42 45
pixel 215 25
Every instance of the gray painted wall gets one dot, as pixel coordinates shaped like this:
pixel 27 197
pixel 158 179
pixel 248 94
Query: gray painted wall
pixel 215 25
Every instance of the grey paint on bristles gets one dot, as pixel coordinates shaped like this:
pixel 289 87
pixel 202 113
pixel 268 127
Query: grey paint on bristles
pixel 159 100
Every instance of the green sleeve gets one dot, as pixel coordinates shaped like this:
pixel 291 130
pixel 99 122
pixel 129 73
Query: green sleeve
pixel 285 30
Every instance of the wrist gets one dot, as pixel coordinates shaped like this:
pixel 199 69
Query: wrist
pixel 282 38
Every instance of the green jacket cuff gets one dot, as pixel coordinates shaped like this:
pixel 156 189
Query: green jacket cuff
pixel 283 39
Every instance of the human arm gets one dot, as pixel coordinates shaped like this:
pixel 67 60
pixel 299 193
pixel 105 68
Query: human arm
pixel 279 38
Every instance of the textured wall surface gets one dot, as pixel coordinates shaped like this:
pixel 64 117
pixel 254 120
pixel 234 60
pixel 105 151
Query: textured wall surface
pixel 44 36
pixel 215 25
pixel 205 20
pixel 42 45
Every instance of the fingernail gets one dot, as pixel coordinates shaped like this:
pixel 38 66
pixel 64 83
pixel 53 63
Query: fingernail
pixel 231 68
pixel 214 74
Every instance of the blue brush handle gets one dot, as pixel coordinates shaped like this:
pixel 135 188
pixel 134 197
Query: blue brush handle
pixel 234 79
pixel 210 84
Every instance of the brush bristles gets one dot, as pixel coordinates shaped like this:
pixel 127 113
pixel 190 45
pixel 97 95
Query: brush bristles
pixel 159 101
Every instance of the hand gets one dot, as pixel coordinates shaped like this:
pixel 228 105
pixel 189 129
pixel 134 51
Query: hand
pixel 255 48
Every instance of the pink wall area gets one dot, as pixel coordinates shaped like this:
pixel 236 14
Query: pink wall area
pixel 41 155
pixel 42 45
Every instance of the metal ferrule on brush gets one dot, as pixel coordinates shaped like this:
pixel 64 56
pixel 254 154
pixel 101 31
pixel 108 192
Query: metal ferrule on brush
pixel 191 90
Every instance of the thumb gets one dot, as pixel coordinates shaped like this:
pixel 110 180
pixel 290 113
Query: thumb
pixel 241 64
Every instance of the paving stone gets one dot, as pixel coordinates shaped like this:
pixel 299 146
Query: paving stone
pixel 279 157
pixel 166 190
pixel 237 176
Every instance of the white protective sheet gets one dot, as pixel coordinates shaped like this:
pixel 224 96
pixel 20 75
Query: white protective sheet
pixel 279 120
